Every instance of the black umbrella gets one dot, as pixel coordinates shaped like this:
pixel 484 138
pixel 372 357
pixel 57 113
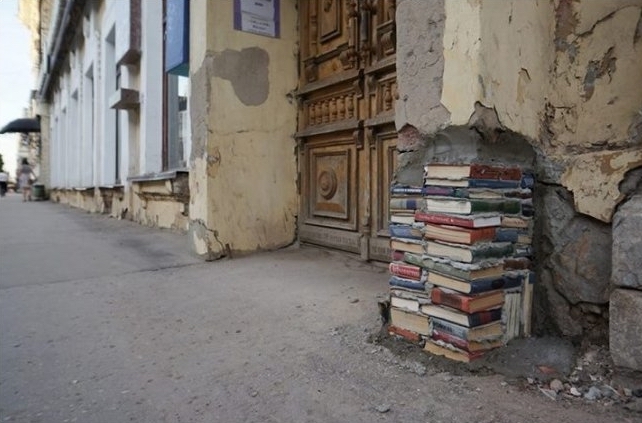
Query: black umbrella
pixel 22 125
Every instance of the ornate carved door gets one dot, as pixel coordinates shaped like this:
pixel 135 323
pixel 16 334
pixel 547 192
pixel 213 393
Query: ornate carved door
pixel 346 129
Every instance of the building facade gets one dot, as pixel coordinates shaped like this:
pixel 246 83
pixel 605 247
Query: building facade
pixel 279 121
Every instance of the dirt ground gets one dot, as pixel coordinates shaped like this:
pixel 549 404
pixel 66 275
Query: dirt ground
pixel 106 321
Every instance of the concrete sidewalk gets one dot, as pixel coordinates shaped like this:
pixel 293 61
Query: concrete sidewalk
pixel 107 321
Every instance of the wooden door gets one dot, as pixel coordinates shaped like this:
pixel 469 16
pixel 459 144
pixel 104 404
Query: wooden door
pixel 346 135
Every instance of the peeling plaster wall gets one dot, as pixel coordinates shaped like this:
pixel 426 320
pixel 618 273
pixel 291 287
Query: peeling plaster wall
pixel 243 164
pixel 566 74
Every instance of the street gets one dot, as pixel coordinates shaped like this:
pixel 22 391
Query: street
pixel 103 320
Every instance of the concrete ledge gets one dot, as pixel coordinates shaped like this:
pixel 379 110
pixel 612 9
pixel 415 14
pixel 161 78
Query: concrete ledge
pixel 625 337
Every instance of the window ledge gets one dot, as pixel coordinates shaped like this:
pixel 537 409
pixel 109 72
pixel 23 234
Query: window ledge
pixel 160 176
pixel 124 99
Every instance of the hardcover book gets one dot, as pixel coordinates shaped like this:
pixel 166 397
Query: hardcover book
pixel 454 205
pixel 408 271
pixel 475 183
pixel 472 170
pixel 486 332
pixel 406 203
pixel 458 234
pixel 397 281
pixel 405 190
pixel 413 322
pixel 462 271
pixel 478 286
pixel 407 244
pixel 464 319
pixel 482 220
pixel 514 235
pixel 404 333
pixel 407 218
pixel 450 352
pixel 405 231
pixel 467 303
pixel 468 253
pixel 405 304
pixel 462 344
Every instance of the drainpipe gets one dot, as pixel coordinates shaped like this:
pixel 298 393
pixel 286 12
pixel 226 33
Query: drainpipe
pixel 60 34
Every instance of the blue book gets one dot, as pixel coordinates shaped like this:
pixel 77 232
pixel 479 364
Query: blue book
pixel 405 190
pixel 405 231
pixel 407 283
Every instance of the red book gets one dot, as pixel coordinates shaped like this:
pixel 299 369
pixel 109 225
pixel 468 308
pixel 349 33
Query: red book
pixel 404 333
pixel 458 234
pixel 480 171
pixel 467 303
pixel 462 344
pixel 480 220
pixel 396 255
pixel 405 270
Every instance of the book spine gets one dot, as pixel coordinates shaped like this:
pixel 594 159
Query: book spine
pixel 396 255
pixel 480 171
pixel 413 258
pixel 404 231
pixel 406 283
pixel 448 270
pixel 442 219
pixel 493 183
pixel 457 301
pixel 405 190
pixel 405 203
pixel 453 329
pixel 507 206
pixel 405 271
pixel 483 317
pixel 506 235
pixel 444 191
pixel 504 282
pixel 404 333
pixel 450 339
pixel 493 250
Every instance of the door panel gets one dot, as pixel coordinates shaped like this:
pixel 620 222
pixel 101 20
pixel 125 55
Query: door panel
pixel 346 133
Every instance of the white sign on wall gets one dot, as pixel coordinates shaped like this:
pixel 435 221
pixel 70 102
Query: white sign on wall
pixel 257 16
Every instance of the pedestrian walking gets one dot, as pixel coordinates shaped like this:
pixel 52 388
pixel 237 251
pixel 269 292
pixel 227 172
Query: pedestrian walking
pixel 26 178
pixel 4 179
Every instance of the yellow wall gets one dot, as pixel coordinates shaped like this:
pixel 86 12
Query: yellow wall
pixel 566 74
pixel 243 165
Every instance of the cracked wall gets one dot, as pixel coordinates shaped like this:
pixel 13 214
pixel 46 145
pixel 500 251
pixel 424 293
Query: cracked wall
pixel 243 163
pixel 559 79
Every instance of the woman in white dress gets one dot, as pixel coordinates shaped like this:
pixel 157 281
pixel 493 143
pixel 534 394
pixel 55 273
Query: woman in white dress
pixel 24 178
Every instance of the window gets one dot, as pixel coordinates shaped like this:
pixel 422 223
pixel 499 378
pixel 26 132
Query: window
pixel 176 142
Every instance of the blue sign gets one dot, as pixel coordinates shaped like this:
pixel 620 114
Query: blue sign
pixel 177 37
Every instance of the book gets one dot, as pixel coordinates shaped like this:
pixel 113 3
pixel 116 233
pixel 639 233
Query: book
pixel 458 234
pixel 481 220
pixel 432 190
pixel 414 258
pixel 452 353
pixel 468 253
pixel 515 235
pixel 462 271
pixel 414 322
pixel 527 304
pixel 467 303
pixel 517 222
pixel 396 255
pixel 406 270
pixel 407 218
pixel 422 297
pixel 405 304
pixel 462 344
pixel 405 190
pixel 478 286
pixel 404 333
pixel 464 319
pixel 472 170
pixel 397 281
pixel 407 244
pixel 475 183
pixel 406 203
pixel 481 333
pixel 454 205
pixel 405 231
pixel 511 314
pixel 516 263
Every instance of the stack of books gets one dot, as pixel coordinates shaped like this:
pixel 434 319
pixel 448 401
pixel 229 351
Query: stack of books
pixel 474 254
pixel 408 287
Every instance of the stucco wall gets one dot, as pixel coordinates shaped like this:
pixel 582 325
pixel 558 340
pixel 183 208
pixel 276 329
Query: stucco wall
pixel 560 73
pixel 243 163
